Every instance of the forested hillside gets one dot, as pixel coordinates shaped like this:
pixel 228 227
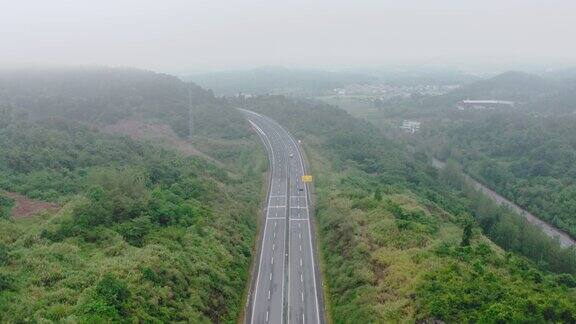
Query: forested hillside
pixel 532 94
pixel 562 102
pixel 512 85
pixel 400 242
pixel 528 159
pixel 104 96
pixel 526 153
pixel 143 234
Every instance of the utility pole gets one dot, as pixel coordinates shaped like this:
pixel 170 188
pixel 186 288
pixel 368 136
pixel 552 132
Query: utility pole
pixel 190 120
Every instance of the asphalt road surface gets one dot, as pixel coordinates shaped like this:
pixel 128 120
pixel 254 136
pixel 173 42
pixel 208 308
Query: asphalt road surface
pixel 286 285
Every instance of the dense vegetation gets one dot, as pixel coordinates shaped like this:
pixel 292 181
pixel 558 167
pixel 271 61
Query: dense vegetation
pixel 103 96
pixel 474 284
pixel 144 234
pixel 506 228
pixel 48 160
pixel 529 160
pixel 525 153
pixel 400 243
pixel 5 205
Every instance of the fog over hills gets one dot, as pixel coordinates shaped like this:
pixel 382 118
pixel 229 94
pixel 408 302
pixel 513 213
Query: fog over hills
pixel 280 162
pixel 303 81
pixel 512 85
pixel 277 80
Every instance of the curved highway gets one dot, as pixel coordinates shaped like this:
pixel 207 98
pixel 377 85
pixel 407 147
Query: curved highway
pixel 286 284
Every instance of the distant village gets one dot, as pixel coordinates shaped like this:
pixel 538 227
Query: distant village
pixel 387 91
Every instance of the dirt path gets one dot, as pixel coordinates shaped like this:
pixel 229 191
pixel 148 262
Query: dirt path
pixel 550 230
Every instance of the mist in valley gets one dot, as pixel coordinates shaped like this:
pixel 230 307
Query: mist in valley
pixel 287 162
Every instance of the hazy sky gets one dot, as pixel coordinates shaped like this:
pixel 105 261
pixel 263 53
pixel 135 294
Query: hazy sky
pixel 178 36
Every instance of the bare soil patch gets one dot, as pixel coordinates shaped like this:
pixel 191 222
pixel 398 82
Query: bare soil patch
pixel 25 207
pixel 155 132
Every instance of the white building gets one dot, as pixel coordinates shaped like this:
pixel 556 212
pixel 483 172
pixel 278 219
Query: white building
pixel 484 104
pixel 410 126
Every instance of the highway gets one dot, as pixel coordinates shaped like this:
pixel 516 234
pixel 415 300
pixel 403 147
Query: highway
pixel 286 284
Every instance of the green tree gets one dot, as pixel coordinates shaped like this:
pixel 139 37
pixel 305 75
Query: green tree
pixel 5 205
pixel 378 194
pixel 3 254
pixel 467 234
pixel 113 291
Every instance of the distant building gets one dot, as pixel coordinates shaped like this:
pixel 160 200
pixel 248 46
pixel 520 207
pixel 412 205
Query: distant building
pixel 410 126
pixel 244 95
pixel 484 104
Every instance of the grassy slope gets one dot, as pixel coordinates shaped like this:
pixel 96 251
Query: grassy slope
pixel 399 258
pixel 170 241
pixel 193 273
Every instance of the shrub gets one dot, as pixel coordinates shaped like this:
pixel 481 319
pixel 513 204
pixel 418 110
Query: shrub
pixel 6 282
pixel 566 279
pixel 467 234
pixel 92 214
pixel 135 230
pixel 3 255
pixel 113 291
pixel 56 312
pixel 5 204
pixel 109 302
pixel 66 229
pixel 149 274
